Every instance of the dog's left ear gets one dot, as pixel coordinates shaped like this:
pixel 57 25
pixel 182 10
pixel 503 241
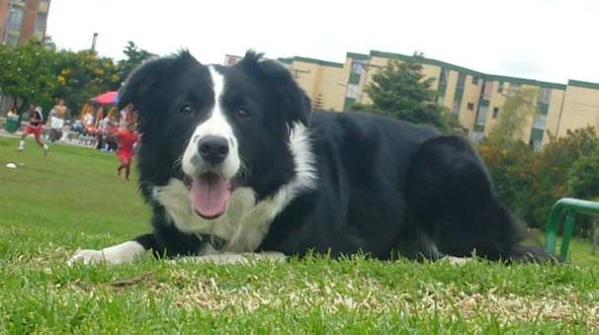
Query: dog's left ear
pixel 280 83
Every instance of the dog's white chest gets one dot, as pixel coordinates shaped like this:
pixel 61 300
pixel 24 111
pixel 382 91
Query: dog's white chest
pixel 243 226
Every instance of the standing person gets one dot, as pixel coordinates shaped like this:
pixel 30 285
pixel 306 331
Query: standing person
pixel 35 127
pixel 106 128
pixel 12 112
pixel 126 116
pixel 56 120
pixel 127 138
pixel 88 119
pixel 98 127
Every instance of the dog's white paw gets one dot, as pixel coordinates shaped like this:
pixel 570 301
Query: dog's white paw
pixel 117 254
pixel 87 257
pixel 458 261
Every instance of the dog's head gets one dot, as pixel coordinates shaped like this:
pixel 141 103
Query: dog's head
pixel 215 128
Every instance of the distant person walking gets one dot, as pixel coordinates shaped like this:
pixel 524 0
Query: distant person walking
pixel 56 120
pixel 35 127
pixel 127 138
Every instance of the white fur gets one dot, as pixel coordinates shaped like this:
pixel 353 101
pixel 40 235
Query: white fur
pixel 245 223
pixel 117 254
pixel 215 125
pixel 458 261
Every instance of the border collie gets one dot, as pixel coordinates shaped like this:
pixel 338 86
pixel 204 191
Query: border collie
pixel 233 161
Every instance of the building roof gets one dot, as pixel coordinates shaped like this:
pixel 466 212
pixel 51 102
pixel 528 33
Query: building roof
pixel 317 61
pixel 585 84
pixel 492 77
pixel 444 65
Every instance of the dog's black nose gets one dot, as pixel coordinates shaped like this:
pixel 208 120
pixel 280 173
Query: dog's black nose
pixel 213 149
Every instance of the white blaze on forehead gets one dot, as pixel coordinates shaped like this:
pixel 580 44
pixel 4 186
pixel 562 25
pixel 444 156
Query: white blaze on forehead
pixel 218 83
pixel 215 125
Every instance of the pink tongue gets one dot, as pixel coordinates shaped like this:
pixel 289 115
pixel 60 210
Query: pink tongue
pixel 209 195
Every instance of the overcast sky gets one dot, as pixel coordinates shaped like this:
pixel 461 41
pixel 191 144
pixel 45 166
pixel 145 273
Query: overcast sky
pixel 551 40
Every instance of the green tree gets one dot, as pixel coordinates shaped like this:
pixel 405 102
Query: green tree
pixel 26 74
pixel 135 56
pixel 518 109
pixel 400 90
pixel 583 177
pixel 509 167
pixel 38 74
pixel 83 75
pixel 550 170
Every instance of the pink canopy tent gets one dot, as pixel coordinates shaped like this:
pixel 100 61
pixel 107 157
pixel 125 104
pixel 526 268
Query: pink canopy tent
pixel 108 98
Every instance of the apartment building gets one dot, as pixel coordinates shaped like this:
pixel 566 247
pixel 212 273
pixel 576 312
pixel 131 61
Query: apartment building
pixel 476 99
pixel 22 20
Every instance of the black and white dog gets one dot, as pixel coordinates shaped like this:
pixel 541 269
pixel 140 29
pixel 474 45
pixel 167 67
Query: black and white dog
pixel 233 160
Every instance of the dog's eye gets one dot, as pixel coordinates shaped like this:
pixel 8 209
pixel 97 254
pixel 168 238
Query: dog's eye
pixel 242 113
pixel 185 109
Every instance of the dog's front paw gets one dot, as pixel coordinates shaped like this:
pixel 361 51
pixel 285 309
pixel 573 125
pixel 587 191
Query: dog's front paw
pixel 116 254
pixel 87 257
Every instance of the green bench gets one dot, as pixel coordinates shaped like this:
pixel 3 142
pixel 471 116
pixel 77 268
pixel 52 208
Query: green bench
pixel 566 208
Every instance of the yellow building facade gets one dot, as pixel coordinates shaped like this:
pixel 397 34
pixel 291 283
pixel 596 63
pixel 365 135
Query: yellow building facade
pixel 323 81
pixel 474 98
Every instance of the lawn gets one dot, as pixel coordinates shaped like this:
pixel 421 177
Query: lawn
pixel 50 206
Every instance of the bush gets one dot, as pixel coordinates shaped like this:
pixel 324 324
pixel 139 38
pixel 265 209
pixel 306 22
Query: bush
pixel 510 170
pixel 583 177
pixel 530 183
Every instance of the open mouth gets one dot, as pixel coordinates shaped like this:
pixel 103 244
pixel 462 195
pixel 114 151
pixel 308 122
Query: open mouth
pixel 209 194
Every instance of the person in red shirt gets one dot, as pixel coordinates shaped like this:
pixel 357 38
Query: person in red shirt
pixel 35 127
pixel 127 138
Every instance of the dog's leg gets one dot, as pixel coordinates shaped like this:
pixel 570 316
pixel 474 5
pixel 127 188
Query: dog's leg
pixel 451 193
pixel 117 254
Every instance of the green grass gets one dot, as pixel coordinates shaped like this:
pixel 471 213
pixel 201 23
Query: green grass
pixel 51 206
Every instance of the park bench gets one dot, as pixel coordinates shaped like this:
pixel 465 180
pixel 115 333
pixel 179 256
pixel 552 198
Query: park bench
pixel 566 209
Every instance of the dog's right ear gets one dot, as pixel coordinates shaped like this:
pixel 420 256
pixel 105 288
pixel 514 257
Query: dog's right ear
pixel 138 87
pixel 141 81
pixel 281 83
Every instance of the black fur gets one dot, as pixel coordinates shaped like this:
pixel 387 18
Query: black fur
pixel 385 187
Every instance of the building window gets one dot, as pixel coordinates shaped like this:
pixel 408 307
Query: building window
pixel 354 78
pixel 500 87
pixel 540 121
pixel 495 112
pixel 358 68
pixel 41 22
pixel 543 108
pixel 15 19
pixel 487 89
pixel 536 138
pixel 443 82
pixel 474 80
pixel 461 81
pixel 353 91
pixel 470 106
pixel 545 96
pixel 481 118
